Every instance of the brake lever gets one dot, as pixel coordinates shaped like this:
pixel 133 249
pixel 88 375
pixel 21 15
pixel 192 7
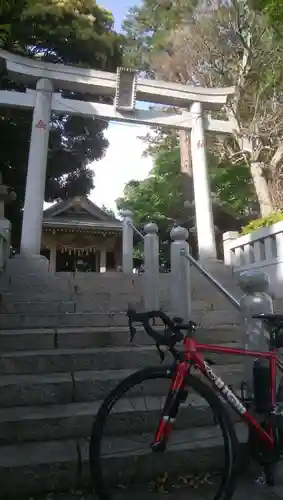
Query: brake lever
pixel 161 353
pixel 133 331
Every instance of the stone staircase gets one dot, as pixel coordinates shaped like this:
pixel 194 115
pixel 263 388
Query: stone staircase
pixel 64 345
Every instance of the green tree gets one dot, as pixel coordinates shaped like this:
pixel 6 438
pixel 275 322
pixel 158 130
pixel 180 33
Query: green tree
pixel 9 9
pixel 223 46
pixel 231 184
pixel 147 26
pixel 160 197
pixel 77 32
pixel 274 11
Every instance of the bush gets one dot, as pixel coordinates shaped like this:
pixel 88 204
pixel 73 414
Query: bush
pixel 267 221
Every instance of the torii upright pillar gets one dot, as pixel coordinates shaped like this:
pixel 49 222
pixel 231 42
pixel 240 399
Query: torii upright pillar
pixel 202 191
pixel 36 175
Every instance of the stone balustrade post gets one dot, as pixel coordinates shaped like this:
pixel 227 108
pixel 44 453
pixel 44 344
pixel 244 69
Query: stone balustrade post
pixel 256 299
pixel 127 242
pixel 5 241
pixel 5 224
pixel 228 237
pixel 151 267
pixel 180 283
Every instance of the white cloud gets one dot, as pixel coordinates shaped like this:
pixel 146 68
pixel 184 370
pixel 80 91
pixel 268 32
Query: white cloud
pixel 123 162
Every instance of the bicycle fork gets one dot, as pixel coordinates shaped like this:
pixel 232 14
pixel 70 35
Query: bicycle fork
pixel 177 395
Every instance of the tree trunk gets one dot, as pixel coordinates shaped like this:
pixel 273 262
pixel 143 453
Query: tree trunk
pixel 261 188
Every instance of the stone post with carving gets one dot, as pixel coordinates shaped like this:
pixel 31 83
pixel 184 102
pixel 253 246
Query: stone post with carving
pixel 180 283
pixel 127 242
pixel 5 224
pixel 228 238
pixel 151 267
pixel 256 300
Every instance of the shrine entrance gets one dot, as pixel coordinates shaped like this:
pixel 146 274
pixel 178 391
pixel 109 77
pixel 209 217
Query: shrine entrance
pixel 78 236
pixel 72 262
pixel 189 108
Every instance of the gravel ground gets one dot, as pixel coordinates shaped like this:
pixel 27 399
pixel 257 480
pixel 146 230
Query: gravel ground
pixel 246 490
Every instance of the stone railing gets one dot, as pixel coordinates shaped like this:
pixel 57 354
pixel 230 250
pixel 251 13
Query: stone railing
pixel 5 231
pixel 261 250
pixel 2 253
pixel 254 283
pixel 181 278
pixel 150 276
pixel 256 298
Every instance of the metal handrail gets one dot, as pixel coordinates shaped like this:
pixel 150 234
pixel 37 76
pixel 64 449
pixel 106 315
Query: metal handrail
pixel 135 229
pixel 212 280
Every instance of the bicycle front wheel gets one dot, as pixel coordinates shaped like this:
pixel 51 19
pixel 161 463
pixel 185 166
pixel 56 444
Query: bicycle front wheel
pixel 201 453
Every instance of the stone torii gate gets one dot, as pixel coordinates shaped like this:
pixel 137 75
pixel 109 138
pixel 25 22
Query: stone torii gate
pixel 190 111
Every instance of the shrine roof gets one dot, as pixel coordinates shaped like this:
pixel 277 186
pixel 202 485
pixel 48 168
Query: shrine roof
pixel 79 213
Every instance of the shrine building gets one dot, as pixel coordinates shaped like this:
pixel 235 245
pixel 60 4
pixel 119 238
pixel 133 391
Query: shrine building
pixel 77 235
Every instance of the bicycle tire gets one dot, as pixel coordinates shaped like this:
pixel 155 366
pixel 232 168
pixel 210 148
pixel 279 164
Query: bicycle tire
pixel 228 483
pixel 279 400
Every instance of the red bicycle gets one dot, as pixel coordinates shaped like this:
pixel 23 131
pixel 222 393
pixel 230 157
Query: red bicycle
pixel 262 413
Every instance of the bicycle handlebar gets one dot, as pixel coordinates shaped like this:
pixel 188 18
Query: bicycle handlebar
pixel 169 338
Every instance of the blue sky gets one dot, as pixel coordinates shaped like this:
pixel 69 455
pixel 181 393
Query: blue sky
pixel 117 168
pixel 119 9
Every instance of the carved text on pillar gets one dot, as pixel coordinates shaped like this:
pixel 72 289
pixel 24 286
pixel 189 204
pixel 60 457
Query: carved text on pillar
pixel 200 144
pixel 41 125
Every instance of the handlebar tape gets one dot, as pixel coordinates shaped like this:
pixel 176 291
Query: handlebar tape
pixel 169 338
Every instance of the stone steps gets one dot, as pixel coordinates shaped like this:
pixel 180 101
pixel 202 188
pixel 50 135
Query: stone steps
pixel 92 304
pixel 37 307
pixel 88 337
pixel 111 318
pixel 62 465
pixel 57 320
pixel 64 344
pixel 74 420
pixel 67 387
pixel 100 283
pixel 105 358
pixel 35 286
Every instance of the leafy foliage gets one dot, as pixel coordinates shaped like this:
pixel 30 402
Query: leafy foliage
pixel 159 197
pixel 211 46
pixel 147 26
pixel 274 10
pixel 77 32
pixel 8 9
pixel 256 224
pixel 232 184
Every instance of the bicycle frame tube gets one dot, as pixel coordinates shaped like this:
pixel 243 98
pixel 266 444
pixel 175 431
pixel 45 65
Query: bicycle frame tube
pixel 193 357
pixel 271 356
